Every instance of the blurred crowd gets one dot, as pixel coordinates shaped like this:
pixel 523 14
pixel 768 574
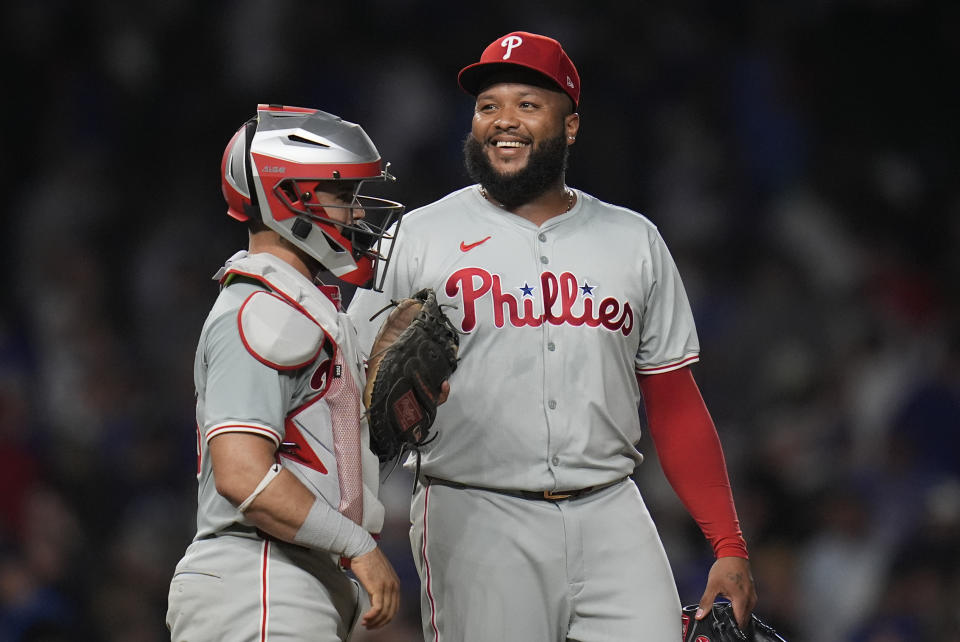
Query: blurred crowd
pixel 800 159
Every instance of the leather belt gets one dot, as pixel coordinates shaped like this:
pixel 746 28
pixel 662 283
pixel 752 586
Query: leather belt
pixel 542 495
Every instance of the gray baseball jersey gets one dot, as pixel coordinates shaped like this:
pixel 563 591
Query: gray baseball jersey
pixel 557 321
pixel 274 355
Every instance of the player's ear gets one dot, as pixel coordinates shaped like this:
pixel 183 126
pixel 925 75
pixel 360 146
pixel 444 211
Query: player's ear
pixel 571 125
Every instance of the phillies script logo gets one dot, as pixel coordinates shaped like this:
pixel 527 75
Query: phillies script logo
pixel 560 296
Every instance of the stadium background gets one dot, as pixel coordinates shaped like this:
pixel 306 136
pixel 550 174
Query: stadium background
pixel 800 159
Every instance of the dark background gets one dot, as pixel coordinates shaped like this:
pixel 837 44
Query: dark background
pixel 799 157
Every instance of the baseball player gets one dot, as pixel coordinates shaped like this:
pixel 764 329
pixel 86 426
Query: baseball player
pixel 288 487
pixel 526 524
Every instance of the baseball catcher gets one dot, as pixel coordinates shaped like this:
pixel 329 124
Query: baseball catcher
pixel 414 352
pixel 287 492
pixel 720 626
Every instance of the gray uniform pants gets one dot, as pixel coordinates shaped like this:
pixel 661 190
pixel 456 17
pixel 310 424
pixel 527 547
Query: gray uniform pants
pixel 495 567
pixel 241 589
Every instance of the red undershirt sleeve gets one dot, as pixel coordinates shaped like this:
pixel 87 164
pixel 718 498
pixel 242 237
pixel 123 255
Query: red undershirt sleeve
pixel 691 456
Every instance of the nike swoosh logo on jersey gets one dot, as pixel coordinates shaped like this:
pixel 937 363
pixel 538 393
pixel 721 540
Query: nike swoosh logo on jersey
pixel 464 247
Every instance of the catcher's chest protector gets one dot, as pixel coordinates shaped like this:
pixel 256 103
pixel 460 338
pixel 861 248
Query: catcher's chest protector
pixel 326 439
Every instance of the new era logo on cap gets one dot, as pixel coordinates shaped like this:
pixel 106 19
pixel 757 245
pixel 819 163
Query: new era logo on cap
pixel 533 51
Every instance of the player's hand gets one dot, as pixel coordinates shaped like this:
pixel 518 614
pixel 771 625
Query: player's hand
pixel 377 576
pixel 444 392
pixel 731 578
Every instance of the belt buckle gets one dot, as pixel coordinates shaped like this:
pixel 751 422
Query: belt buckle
pixel 549 494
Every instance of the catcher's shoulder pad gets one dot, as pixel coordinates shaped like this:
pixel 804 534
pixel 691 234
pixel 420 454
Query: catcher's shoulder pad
pixel 278 334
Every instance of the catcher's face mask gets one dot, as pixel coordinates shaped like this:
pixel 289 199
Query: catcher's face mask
pixel 277 163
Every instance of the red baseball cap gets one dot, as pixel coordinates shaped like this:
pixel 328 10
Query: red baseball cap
pixel 524 49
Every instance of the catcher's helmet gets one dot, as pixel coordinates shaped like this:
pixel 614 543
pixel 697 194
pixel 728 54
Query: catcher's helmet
pixel 273 165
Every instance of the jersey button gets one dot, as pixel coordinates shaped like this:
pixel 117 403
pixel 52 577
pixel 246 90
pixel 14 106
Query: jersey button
pixel 544 260
pixel 555 461
pixel 552 404
pixel 542 237
pixel 551 346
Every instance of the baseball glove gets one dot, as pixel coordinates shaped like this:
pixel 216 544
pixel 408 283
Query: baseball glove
pixel 720 626
pixel 414 352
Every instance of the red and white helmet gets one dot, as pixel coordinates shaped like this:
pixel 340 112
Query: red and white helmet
pixel 270 171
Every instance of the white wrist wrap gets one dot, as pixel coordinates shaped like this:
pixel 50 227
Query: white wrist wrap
pixel 328 530
pixel 272 472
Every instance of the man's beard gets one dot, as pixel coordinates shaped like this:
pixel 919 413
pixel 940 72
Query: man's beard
pixel 545 167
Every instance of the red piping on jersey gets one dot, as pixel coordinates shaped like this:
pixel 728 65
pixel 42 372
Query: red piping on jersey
pixel 264 361
pixel 259 430
pixel 426 567
pixel 670 366
pixel 264 603
pixel 199 451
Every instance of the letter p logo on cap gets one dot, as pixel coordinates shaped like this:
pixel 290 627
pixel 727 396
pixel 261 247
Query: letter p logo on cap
pixel 541 54
pixel 510 42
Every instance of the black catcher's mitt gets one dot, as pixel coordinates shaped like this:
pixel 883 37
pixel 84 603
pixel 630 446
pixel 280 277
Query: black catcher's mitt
pixel 720 626
pixel 414 353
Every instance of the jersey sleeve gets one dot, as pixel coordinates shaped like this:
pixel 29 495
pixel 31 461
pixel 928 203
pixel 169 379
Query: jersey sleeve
pixel 241 394
pixel 690 453
pixel 668 338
